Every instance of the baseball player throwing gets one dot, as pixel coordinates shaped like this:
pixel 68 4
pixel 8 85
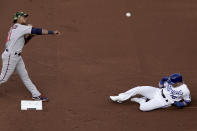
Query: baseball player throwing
pixel 172 91
pixel 20 33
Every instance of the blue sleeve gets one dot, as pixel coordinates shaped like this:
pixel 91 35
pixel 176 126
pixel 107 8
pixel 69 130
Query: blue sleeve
pixel 164 79
pixel 36 31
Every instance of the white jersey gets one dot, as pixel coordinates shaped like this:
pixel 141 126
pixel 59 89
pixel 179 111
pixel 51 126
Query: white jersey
pixel 176 93
pixel 16 41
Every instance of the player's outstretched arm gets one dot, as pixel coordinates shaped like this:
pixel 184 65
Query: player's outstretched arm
pixel 40 31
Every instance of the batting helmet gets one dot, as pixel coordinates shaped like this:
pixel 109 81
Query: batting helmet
pixel 175 78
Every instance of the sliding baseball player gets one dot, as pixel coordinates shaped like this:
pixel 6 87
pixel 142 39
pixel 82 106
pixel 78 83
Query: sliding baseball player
pixel 172 91
pixel 19 34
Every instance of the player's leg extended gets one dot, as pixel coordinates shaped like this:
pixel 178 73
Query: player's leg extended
pixel 8 67
pixel 147 91
pixel 21 70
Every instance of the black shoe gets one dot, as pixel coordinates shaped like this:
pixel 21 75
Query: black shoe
pixel 41 98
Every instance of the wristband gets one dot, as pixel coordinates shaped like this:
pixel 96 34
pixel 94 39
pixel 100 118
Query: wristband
pixel 50 32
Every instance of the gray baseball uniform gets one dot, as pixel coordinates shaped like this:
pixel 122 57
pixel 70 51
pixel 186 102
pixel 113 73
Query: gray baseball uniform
pixel 12 59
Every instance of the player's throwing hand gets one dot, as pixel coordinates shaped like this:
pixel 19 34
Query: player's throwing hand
pixel 56 32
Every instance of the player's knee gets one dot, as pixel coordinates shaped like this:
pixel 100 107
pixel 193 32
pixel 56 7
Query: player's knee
pixel 24 75
pixel 138 88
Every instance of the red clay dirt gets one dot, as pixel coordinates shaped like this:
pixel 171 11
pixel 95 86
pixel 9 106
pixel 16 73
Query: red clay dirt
pixel 101 53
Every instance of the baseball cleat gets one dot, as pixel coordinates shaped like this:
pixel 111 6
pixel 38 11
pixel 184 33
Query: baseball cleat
pixel 115 99
pixel 138 100
pixel 41 98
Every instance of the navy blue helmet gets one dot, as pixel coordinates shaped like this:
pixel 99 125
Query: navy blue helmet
pixel 175 78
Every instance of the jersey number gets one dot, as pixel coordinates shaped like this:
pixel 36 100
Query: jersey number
pixel 10 33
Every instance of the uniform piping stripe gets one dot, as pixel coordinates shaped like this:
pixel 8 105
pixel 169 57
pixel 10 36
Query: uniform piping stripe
pixel 6 69
pixel 9 36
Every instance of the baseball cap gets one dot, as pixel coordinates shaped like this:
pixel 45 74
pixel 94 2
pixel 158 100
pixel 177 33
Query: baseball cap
pixel 18 14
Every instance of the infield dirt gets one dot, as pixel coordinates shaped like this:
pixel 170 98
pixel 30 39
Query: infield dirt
pixel 101 53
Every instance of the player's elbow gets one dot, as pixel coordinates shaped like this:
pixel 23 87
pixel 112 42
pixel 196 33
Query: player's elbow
pixel 161 85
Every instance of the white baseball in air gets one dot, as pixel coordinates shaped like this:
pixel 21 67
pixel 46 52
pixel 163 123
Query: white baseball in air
pixel 128 14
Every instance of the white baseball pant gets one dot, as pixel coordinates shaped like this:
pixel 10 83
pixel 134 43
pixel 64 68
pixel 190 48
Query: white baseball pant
pixel 154 94
pixel 12 62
